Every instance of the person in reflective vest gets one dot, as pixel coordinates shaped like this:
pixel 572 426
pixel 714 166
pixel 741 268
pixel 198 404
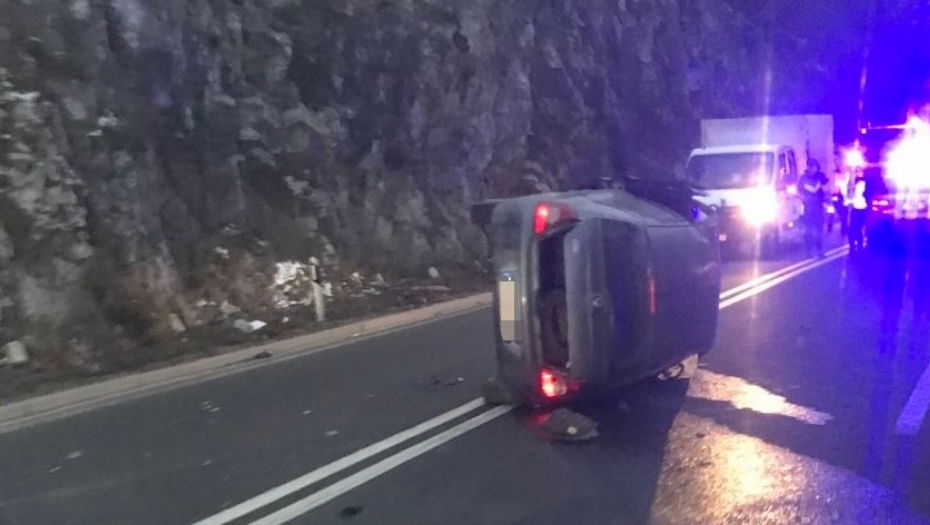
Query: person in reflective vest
pixel 858 212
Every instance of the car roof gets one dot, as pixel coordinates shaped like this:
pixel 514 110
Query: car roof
pixel 745 148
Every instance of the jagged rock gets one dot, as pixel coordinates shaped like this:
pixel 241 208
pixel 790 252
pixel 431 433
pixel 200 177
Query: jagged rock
pixel 133 134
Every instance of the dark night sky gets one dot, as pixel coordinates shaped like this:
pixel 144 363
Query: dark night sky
pixel 836 33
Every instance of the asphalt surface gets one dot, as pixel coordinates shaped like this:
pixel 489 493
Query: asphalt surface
pixel 794 417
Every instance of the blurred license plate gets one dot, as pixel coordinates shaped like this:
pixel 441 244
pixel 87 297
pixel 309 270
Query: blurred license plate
pixel 507 295
pixel 723 237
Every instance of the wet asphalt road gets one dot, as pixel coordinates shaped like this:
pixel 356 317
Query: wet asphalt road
pixel 793 418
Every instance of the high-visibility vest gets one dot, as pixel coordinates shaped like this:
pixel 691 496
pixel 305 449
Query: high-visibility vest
pixel 858 198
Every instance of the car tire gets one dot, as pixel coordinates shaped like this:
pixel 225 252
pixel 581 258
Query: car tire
pixel 553 323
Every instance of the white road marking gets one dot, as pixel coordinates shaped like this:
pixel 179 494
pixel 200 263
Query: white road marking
pixel 771 283
pixel 728 298
pixel 337 466
pixel 912 417
pixel 363 476
pixel 777 273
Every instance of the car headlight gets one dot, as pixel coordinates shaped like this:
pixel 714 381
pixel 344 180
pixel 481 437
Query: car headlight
pixel 760 208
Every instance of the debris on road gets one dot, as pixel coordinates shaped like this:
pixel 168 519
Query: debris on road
pixel 332 433
pixel 496 393
pixel 74 455
pixel 566 425
pixel 350 511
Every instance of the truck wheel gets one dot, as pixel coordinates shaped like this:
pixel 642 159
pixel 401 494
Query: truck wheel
pixel 771 244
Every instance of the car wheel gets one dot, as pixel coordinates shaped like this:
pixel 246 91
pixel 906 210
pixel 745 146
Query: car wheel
pixel 553 321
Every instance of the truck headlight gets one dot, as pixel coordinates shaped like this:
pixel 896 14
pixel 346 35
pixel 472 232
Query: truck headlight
pixel 761 208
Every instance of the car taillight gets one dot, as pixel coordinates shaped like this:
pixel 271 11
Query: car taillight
pixel 550 215
pixel 551 385
pixel 881 205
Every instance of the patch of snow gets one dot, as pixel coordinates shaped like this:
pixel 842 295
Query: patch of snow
pixel 107 121
pixel 298 187
pixel 433 273
pixel 177 325
pixel 14 353
pixel 249 134
pixel 222 252
pixel 28 97
pixel 228 309
pixel 249 326
pixel 292 284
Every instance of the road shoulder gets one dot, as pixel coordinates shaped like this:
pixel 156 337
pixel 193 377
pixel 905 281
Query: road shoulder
pixel 68 402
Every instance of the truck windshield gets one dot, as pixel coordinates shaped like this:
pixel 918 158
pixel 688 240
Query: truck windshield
pixel 730 170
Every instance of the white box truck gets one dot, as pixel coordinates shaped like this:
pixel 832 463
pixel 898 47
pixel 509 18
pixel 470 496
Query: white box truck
pixel 747 168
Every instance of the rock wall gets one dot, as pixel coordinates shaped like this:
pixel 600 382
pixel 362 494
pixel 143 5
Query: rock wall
pixel 157 156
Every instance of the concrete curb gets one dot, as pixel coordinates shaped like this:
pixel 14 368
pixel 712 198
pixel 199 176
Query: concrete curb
pixel 111 391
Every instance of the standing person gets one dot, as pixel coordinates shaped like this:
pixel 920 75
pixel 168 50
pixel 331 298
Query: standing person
pixel 859 209
pixel 812 187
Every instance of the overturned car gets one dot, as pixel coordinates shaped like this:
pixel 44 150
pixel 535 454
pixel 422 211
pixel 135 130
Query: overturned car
pixel 598 289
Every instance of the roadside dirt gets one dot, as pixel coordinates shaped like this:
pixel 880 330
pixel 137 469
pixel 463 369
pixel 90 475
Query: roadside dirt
pixel 365 302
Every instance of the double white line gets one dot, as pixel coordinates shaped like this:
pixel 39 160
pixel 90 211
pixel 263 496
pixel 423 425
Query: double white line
pixel 764 282
pixel 316 499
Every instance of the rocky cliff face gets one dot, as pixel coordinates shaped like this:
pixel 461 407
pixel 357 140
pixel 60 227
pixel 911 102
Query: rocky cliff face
pixel 156 157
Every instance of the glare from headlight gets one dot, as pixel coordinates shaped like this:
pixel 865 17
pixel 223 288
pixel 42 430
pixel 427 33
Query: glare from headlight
pixel 908 161
pixel 761 207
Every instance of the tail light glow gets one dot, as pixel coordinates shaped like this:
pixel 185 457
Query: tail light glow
pixel 550 215
pixel 551 385
pixel 882 205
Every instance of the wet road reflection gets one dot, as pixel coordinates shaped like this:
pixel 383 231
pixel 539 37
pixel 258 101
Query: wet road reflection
pixel 744 395
pixel 742 479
